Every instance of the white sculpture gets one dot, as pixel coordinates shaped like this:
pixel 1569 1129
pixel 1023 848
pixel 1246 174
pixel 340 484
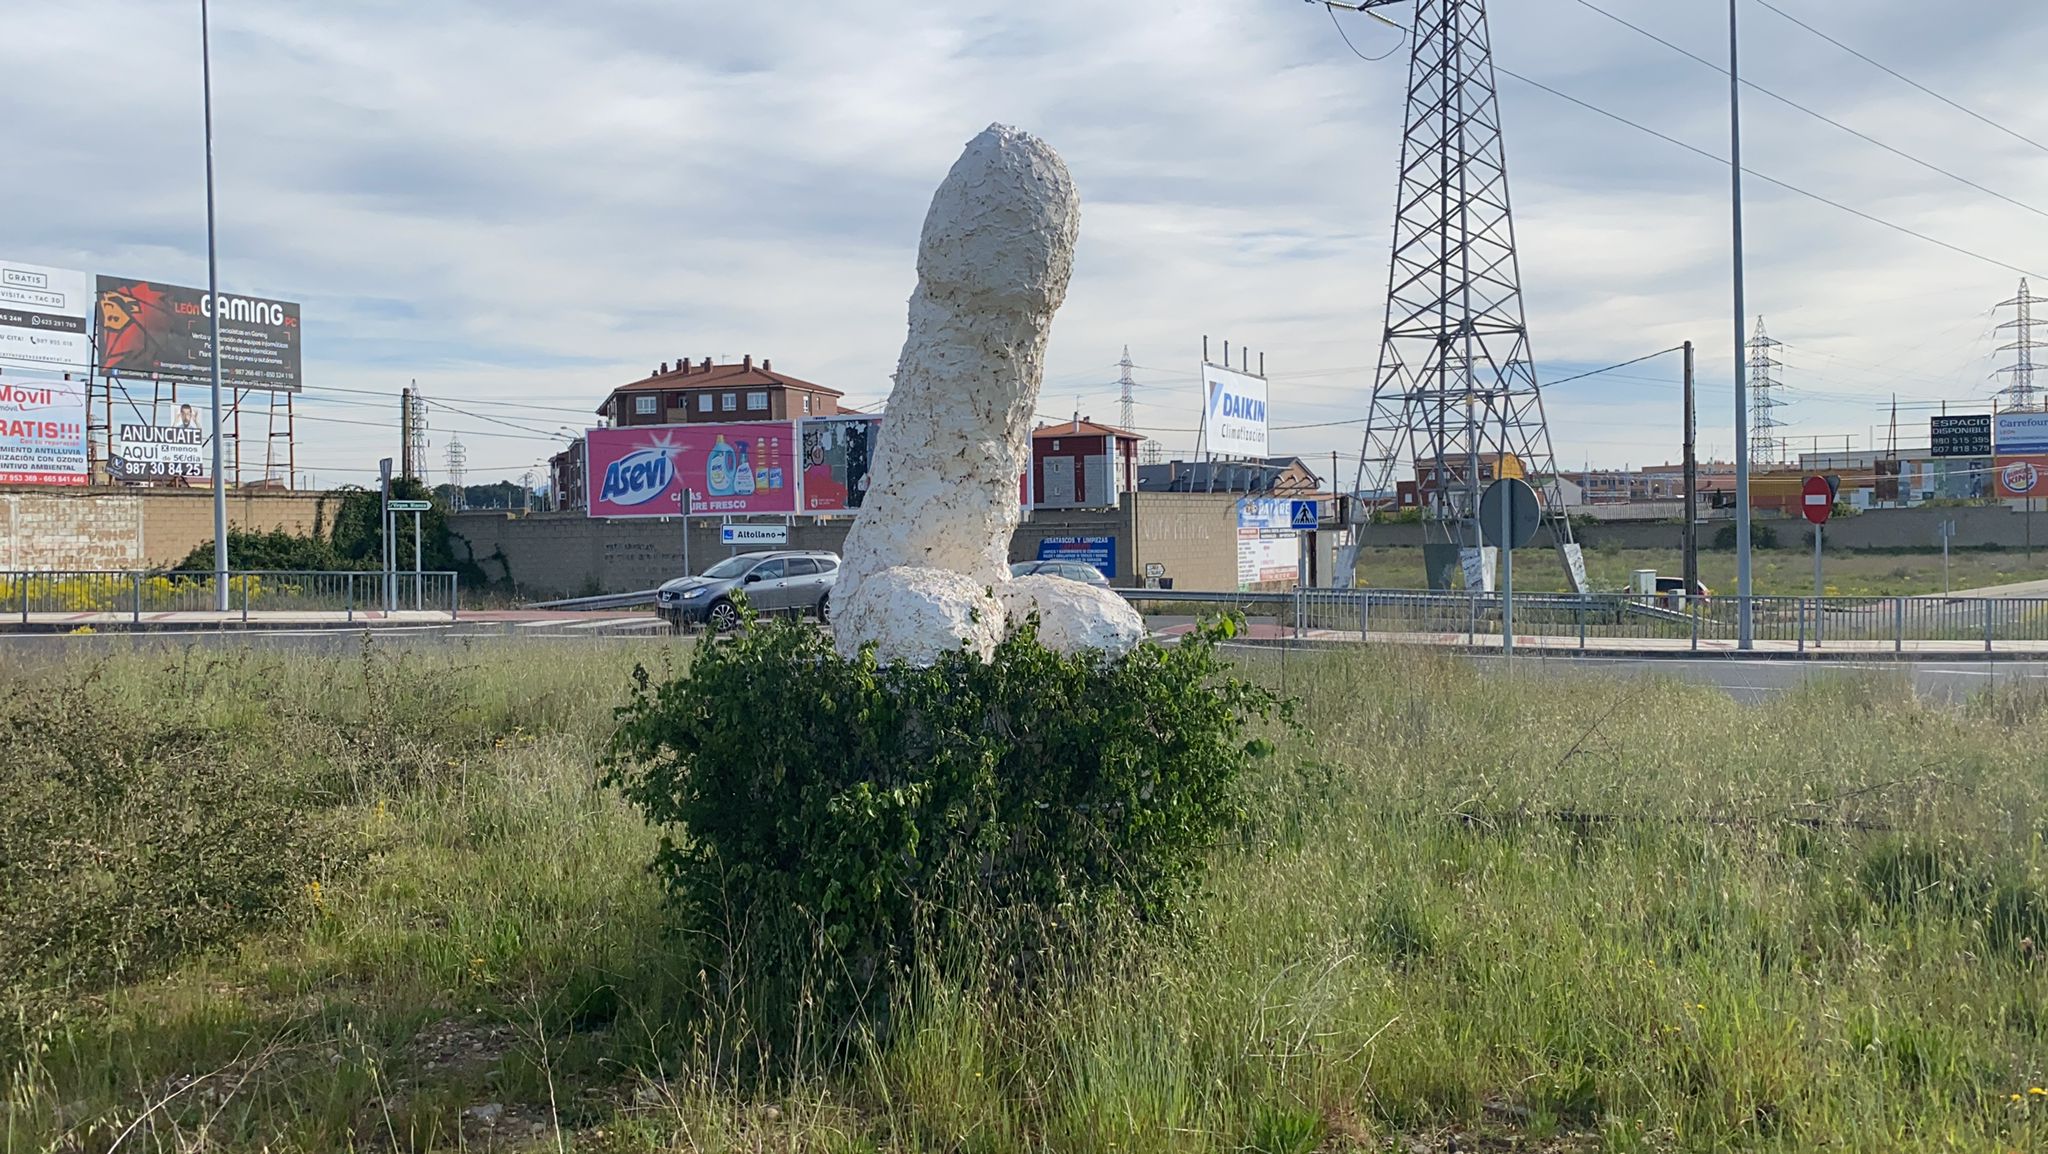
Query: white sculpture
pixel 926 566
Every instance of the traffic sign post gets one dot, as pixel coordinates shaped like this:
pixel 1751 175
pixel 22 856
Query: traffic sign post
pixel 1508 516
pixel 1817 502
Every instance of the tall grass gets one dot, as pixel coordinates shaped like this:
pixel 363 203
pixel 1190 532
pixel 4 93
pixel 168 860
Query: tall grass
pixel 1572 911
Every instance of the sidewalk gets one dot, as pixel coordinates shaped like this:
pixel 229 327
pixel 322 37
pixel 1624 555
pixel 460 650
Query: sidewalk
pixel 186 621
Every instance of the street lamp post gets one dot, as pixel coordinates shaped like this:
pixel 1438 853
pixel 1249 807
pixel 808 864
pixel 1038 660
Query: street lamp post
pixel 1745 637
pixel 220 493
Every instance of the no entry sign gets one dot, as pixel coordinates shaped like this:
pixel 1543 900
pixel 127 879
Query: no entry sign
pixel 1817 500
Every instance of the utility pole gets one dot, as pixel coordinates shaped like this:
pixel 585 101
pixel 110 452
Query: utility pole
pixel 458 472
pixel 2021 393
pixel 1692 486
pixel 1456 380
pixel 405 426
pixel 1766 433
pixel 1745 634
pixel 220 481
pixel 1129 412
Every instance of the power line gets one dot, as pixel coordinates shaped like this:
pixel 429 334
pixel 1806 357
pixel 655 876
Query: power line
pixel 1897 75
pixel 1772 180
pixel 1398 45
pixel 1822 117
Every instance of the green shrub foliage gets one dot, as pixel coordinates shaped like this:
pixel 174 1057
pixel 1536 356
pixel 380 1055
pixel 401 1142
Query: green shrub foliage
pixel 832 826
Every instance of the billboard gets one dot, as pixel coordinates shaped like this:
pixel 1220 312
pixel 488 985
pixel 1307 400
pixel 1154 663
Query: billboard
pixel 1960 436
pixel 1268 548
pixel 836 453
pixel 729 469
pixel 1097 551
pixel 1235 423
pixel 146 452
pixel 2022 476
pixel 42 427
pixel 151 329
pixel 45 317
pixel 2022 433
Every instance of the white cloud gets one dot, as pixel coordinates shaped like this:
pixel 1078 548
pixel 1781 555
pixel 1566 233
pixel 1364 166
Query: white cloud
pixel 526 203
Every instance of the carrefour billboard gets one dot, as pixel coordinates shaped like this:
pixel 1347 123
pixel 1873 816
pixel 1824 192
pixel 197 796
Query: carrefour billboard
pixel 1235 423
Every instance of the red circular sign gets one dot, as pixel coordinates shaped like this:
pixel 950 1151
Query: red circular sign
pixel 1816 500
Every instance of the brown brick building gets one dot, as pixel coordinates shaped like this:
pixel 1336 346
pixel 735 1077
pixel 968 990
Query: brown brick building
pixel 705 393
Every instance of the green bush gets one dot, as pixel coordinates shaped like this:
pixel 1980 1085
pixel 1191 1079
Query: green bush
pixel 1761 536
pixel 833 827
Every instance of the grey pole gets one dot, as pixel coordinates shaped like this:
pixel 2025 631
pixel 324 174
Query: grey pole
pixel 417 601
pixel 1745 637
pixel 1507 573
pixel 220 492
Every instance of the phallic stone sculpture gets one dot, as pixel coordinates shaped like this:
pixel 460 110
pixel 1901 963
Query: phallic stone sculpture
pixel 926 566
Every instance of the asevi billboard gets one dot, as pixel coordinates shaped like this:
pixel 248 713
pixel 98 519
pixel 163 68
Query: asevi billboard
pixel 728 469
pixel 1234 424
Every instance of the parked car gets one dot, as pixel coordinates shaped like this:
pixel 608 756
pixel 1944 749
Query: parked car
pixel 1071 570
pixel 793 581
pixel 1673 589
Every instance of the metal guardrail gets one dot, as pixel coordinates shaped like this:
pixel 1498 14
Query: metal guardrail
pixel 134 592
pixel 1807 622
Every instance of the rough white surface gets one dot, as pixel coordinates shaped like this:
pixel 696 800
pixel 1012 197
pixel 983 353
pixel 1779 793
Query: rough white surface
pixel 932 539
pixel 1072 616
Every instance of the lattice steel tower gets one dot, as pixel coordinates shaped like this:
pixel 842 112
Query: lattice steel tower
pixel 1456 387
pixel 1766 431
pixel 2021 394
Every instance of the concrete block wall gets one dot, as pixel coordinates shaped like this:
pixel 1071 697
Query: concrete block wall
pixel 132 529
pixel 1193 535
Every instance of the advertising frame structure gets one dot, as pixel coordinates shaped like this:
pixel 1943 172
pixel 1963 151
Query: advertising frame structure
pixel 150 452
pixel 837 454
pixel 46 317
pixel 742 468
pixel 1233 412
pixel 1099 552
pixel 42 428
pixel 2021 434
pixel 155 330
pixel 1268 545
pixel 1959 435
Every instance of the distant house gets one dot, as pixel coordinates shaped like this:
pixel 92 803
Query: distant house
pixel 705 393
pixel 1079 464
pixel 1264 476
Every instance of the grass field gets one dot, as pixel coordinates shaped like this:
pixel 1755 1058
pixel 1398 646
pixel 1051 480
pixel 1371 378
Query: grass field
pixel 379 903
pixel 1775 572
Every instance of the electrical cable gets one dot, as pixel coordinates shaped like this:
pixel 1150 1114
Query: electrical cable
pixel 1771 180
pixel 1897 75
pixel 1822 117
pixel 1398 45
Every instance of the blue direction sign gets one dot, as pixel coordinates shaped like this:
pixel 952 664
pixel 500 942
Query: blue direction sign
pixel 1304 515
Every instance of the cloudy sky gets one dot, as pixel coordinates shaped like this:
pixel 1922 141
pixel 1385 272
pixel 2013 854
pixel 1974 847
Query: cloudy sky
pixel 520 203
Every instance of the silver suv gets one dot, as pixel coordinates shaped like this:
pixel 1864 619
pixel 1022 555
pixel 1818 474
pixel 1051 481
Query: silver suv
pixel 793 581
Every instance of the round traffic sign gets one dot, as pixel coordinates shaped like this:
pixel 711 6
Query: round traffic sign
pixel 1523 512
pixel 1817 500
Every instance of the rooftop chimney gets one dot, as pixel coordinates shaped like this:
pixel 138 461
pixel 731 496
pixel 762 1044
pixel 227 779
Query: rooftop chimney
pixel 683 365
pixel 766 364
pixel 707 364
pixel 747 363
pixel 663 370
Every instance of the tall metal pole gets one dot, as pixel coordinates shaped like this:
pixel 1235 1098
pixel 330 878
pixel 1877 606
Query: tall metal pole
pixel 1692 486
pixel 1745 637
pixel 220 492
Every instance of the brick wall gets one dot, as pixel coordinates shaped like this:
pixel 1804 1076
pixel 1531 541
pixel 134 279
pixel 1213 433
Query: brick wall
pixel 133 529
